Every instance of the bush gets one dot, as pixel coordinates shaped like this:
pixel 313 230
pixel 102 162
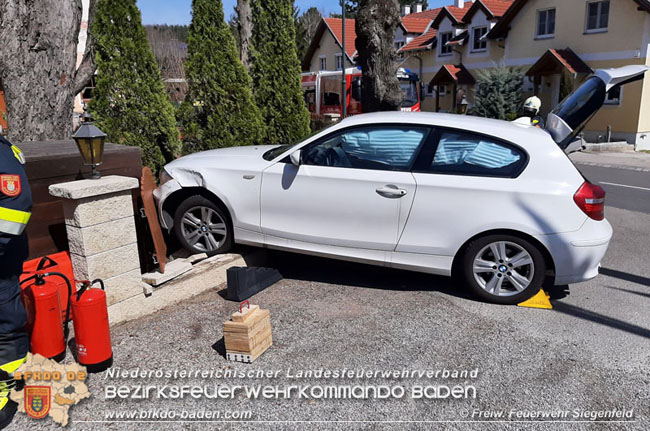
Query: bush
pixel 276 72
pixel 219 110
pixel 498 94
pixel 130 103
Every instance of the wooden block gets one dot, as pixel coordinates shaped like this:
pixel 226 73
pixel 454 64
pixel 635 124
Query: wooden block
pixel 246 344
pixel 248 334
pixel 244 314
pixel 248 357
pixel 259 315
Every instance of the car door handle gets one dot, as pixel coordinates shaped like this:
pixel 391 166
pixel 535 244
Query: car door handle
pixel 391 191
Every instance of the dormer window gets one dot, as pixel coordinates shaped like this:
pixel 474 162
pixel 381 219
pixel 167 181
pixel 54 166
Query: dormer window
pixel 479 43
pixel 444 38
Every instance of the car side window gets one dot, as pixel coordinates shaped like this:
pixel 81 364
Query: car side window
pixel 378 148
pixel 468 154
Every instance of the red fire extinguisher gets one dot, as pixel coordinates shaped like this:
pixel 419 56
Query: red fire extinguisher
pixel 91 330
pixel 41 298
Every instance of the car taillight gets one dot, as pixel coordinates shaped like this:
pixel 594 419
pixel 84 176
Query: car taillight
pixel 590 198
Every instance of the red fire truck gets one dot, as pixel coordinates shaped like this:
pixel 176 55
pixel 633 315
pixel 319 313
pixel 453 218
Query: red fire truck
pixel 323 89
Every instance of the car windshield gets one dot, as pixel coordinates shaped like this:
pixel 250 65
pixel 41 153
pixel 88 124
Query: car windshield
pixel 276 151
pixel 410 93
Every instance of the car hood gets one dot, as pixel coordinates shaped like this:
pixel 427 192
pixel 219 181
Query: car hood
pixel 233 158
pixel 247 151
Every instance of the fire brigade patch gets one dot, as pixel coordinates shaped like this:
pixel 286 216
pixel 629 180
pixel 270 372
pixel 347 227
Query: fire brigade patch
pixel 10 185
pixel 37 401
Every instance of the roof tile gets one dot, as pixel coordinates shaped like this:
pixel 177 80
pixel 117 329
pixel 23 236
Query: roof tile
pixel 336 27
pixel 421 42
pixel 414 24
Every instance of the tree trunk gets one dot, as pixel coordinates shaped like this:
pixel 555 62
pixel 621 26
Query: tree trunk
pixel 376 21
pixel 38 57
pixel 245 28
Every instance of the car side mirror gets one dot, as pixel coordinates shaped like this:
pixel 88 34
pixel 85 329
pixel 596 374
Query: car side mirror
pixel 295 157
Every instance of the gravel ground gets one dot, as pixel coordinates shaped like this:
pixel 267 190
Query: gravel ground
pixel 591 352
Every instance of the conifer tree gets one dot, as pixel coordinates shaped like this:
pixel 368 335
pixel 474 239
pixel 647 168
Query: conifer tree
pixel 129 102
pixel 498 93
pixel 276 72
pixel 220 110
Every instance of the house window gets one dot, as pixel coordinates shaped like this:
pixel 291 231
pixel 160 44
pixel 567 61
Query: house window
pixel 479 44
pixel 323 63
pixel 338 61
pixel 614 96
pixel 545 23
pixel 444 38
pixel 399 45
pixel 597 16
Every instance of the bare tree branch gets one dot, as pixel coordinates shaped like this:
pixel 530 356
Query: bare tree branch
pixel 86 69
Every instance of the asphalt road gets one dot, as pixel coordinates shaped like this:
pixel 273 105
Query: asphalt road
pixel 626 188
pixel 590 353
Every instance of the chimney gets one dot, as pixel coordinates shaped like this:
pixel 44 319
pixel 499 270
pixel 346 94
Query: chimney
pixel 459 3
pixel 406 10
pixel 418 7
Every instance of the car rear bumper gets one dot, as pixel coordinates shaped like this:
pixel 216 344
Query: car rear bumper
pixel 577 255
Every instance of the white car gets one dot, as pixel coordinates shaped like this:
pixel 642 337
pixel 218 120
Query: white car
pixel 500 202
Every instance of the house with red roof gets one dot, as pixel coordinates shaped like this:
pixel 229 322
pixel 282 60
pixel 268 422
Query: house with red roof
pixel 455 40
pixel 557 43
pixel 324 52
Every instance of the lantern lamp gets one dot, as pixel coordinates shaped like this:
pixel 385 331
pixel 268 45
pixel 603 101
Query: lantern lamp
pixel 90 141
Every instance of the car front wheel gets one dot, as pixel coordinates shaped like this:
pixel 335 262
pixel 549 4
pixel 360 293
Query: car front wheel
pixel 202 227
pixel 503 269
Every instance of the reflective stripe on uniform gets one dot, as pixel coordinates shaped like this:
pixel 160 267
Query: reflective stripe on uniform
pixel 11 367
pixel 7 385
pixel 19 154
pixel 13 222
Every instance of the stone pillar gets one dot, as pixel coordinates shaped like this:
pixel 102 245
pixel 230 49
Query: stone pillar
pixel 101 233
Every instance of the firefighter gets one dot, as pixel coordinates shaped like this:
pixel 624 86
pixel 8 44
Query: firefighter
pixel 15 210
pixel 532 106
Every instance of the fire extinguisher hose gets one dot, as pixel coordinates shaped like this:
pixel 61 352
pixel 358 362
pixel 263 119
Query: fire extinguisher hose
pixel 85 284
pixel 66 325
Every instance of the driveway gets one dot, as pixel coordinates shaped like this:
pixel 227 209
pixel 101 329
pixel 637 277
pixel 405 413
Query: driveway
pixel 590 353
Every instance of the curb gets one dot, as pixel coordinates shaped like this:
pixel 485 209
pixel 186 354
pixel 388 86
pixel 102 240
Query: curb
pixel 209 274
pixel 606 165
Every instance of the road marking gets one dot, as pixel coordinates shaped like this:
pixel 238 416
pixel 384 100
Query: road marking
pixel 624 185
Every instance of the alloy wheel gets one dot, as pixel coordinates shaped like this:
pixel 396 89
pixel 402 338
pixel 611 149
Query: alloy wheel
pixel 503 268
pixel 203 228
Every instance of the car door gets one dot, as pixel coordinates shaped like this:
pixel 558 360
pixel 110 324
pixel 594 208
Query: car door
pixel 353 188
pixel 568 119
pixel 465 187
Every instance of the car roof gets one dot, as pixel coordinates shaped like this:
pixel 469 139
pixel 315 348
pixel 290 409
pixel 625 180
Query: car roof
pixel 506 130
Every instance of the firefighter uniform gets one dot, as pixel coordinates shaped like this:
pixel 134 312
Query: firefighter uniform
pixel 15 210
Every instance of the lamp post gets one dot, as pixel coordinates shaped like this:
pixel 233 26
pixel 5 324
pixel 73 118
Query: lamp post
pixel 463 105
pixel 90 142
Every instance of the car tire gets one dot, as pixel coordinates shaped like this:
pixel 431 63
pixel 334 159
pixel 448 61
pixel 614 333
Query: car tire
pixel 201 226
pixel 503 269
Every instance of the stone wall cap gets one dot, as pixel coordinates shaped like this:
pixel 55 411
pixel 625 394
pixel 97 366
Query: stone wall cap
pixel 88 188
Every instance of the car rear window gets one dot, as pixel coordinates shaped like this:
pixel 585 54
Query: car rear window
pixel 468 154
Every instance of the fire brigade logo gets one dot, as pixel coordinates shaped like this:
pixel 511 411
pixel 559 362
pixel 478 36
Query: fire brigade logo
pixel 10 185
pixel 51 389
pixel 37 401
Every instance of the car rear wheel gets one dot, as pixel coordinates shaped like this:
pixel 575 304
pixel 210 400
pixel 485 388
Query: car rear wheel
pixel 202 227
pixel 503 269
